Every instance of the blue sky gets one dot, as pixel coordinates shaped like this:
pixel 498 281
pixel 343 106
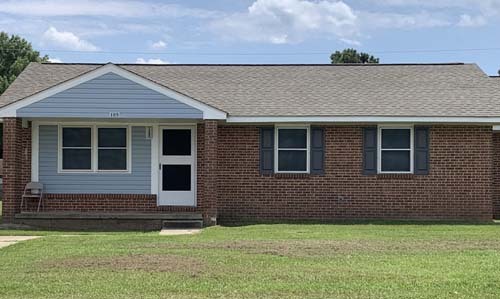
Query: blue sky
pixel 258 31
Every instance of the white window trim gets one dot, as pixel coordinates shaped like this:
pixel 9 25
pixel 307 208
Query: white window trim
pixel 94 149
pixel 379 147
pixel 276 146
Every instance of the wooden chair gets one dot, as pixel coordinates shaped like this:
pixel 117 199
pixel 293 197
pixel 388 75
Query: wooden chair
pixel 32 190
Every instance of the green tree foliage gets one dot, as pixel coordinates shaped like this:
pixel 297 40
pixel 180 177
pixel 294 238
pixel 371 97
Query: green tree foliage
pixel 352 56
pixel 15 54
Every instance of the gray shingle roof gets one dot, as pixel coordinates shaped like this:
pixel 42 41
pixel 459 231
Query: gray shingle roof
pixel 305 90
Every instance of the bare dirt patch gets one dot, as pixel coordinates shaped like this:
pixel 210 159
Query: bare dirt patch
pixel 311 248
pixel 142 262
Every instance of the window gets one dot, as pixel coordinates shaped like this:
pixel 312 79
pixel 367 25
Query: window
pixel 396 150
pixel 112 148
pixel 292 150
pixel 76 148
pixel 176 177
pixel 92 148
pixel 176 142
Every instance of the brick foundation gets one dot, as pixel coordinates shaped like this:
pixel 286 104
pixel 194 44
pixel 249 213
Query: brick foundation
pixel 459 185
pixel 107 203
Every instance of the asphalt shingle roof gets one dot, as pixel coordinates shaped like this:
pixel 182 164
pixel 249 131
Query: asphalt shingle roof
pixel 305 90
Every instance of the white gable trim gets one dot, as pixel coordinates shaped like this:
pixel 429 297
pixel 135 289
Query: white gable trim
pixel 209 112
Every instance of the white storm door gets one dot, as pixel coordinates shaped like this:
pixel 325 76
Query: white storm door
pixel 177 166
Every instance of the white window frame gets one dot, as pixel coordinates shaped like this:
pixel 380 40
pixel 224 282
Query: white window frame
pixel 308 146
pixel 380 149
pixel 94 149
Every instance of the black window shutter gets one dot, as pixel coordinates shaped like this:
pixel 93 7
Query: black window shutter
pixel 317 150
pixel 370 150
pixel 421 150
pixel 266 150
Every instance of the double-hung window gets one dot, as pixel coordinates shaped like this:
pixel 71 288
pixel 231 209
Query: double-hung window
pixel 94 149
pixel 77 148
pixel 395 150
pixel 112 149
pixel 292 149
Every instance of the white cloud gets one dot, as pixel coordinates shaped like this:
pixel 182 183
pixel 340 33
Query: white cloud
pixel 372 20
pixel 482 10
pixel 159 45
pixel 110 8
pixel 55 60
pixel 292 21
pixel 469 21
pixel 151 61
pixel 350 42
pixel 288 21
pixel 67 40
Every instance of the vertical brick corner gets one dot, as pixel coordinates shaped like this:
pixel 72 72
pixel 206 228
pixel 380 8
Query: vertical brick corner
pixel 209 173
pixel 16 164
pixel 496 175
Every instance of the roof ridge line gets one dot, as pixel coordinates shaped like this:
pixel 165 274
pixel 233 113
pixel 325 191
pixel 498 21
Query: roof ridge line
pixel 264 64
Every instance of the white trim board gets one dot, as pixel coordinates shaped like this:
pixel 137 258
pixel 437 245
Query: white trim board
pixel 363 119
pixel 35 129
pixel 209 112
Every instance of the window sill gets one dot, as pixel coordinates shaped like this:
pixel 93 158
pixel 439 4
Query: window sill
pixel 399 176
pixel 95 172
pixel 292 175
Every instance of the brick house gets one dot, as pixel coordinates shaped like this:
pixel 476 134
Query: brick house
pixel 128 144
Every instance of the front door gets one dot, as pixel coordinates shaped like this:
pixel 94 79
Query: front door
pixel 177 166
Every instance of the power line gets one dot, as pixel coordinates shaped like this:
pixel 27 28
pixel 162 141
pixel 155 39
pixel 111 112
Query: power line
pixel 257 53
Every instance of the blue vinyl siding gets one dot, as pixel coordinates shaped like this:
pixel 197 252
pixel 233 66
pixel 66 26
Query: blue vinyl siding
pixel 137 182
pixel 110 92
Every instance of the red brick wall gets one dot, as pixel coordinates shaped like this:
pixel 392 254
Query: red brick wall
pixel 16 165
pixel 459 185
pixel 496 175
pixel 207 171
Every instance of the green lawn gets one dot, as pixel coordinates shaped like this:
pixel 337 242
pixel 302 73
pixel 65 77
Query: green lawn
pixel 260 261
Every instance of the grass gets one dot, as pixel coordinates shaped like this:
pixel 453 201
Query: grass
pixel 259 261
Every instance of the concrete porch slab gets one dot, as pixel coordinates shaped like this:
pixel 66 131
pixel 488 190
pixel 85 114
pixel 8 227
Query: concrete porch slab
pixel 10 240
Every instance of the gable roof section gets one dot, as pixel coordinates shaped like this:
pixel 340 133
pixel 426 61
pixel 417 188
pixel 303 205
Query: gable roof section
pixel 109 95
pixel 67 81
pixel 250 92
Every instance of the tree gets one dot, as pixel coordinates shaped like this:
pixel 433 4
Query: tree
pixel 352 56
pixel 15 54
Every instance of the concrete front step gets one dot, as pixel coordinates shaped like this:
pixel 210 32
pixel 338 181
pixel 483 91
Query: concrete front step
pixel 183 223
